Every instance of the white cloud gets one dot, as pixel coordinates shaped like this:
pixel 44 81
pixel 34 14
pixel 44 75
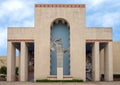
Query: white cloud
pixel 90 3
pixel 12 5
pixel 14 13
pixel 111 19
pixel 3 37
pixel 16 10
pixel 104 20
pixel 94 2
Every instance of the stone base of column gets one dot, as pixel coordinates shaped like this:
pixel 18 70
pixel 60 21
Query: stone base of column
pixel 60 73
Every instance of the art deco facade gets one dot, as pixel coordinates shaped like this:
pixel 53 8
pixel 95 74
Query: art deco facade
pixel 67 22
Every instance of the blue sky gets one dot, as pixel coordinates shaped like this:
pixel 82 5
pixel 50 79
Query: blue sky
pixel 20 13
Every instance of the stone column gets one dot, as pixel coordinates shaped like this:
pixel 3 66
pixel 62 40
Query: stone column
pixel 11 62
pixel 19 63
pixel 108 62
pixel 95 62
pixel 24 62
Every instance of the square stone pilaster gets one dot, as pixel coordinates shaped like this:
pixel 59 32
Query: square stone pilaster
pixel 11 62
pixel 95 62
pixel 24 62
pixel 108 62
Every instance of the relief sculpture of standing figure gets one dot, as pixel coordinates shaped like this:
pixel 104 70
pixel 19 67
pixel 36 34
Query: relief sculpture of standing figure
pixel 88 69
pixel 57 47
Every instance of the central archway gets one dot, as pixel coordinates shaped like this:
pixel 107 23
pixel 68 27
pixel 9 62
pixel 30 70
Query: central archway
pixel 60 29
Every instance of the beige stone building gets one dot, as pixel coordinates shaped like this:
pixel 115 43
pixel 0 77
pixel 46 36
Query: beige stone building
pixel 89 50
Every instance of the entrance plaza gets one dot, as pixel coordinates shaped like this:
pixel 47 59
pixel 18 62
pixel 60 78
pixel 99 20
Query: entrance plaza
pixel 60 46
pixel 85 83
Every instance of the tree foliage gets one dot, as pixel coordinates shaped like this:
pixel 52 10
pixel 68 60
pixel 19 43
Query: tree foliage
pixel 3 70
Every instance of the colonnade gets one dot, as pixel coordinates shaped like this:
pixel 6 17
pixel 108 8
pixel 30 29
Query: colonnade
pixel 108 61
pixel 23 66
pixel 23 62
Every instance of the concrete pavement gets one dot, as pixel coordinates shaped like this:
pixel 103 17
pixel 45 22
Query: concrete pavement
pixel 60 83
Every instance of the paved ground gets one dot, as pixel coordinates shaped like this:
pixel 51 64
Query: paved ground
pixel 85 83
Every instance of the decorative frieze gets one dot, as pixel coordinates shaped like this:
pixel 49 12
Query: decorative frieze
pixel 61 5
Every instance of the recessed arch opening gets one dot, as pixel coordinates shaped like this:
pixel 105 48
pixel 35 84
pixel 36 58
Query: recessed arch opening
pixel 60 29
pixel 60 20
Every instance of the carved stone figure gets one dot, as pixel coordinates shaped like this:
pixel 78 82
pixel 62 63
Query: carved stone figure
pixel 88 69
pixel 57 47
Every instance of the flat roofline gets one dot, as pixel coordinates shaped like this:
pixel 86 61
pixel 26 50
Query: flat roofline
pixel 60 5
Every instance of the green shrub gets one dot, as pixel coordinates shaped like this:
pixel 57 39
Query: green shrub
pixel 3 70
pixel 2 76
pixel 116 75
pixel 46 80
pixel 16 71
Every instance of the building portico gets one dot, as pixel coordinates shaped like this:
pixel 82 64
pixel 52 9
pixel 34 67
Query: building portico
pixel 96 47
pixel 23 48
pixel 67 23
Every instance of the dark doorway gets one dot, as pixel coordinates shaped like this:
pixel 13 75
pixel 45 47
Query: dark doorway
pixel 30 61
pixel 89 61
